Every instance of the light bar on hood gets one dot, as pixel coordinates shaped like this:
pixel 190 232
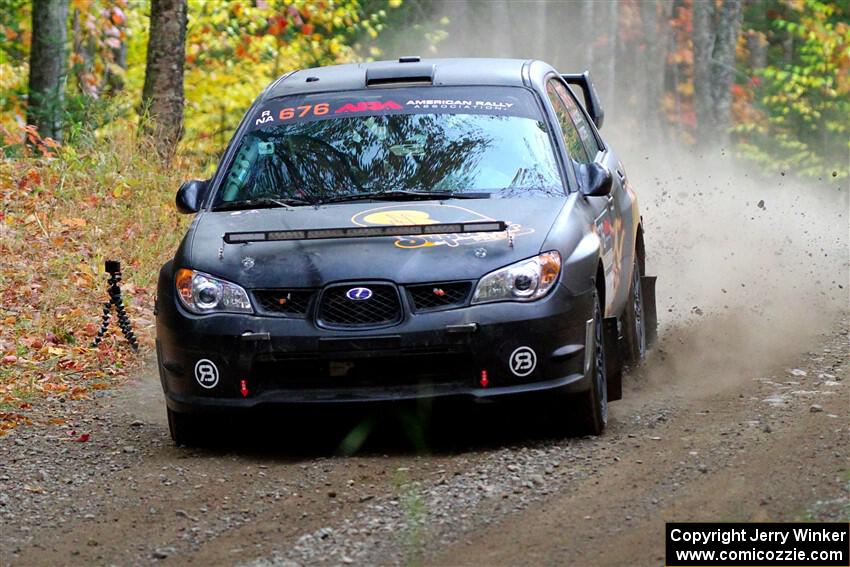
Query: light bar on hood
pixel 365 232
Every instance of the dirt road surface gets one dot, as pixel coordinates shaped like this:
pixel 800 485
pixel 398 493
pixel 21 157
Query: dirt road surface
pixel 486 490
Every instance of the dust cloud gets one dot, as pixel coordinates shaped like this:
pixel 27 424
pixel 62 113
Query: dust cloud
pixel 751 267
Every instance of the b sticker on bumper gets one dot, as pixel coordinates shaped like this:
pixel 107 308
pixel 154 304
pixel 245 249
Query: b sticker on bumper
pixel 206 373
pixel 523 361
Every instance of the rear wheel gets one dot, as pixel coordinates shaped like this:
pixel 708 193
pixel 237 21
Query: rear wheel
pixel 634 320
pixel 591 407
pixel 187 429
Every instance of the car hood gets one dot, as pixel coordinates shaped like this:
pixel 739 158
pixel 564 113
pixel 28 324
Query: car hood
pixel 313 263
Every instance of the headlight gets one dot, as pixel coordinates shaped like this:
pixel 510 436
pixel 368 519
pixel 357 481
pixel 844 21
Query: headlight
pixel 201 293
pixel 524 281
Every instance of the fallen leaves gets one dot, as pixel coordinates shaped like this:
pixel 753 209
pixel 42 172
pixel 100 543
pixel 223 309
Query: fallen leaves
pixel 60 218
pixel 74 222
pixel 10 420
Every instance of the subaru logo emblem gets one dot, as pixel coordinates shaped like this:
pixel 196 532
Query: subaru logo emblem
pixel 358 293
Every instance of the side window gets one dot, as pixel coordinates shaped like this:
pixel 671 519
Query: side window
pixel 575 147
pixel 584 132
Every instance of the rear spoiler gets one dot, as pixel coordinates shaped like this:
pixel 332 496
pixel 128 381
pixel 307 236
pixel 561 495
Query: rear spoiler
pixel 365 232
pixel 591 99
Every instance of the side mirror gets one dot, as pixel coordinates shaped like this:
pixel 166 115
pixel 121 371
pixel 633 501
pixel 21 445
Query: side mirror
pixel 596 180
pixel 190 196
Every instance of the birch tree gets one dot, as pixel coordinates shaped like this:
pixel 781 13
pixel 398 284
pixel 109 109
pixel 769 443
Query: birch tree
pixel 715 35
pixel 46 99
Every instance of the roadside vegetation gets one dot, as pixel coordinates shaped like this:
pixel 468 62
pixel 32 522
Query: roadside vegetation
pixel 87 172
pixel 62 218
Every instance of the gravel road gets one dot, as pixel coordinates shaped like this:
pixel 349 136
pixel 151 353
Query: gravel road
pixel 483 489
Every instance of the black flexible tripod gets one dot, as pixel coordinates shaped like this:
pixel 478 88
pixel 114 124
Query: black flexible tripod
pixel 113 268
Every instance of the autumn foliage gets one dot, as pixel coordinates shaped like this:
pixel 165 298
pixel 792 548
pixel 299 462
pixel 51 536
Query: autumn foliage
pixel 60 219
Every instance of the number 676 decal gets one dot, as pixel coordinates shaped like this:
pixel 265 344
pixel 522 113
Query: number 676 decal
pixel 302 111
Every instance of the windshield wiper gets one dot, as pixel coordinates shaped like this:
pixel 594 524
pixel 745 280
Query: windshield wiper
pixel 403 195
pixel 261 203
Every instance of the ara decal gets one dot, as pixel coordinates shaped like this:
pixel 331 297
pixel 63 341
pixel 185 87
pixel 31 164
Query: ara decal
pixel 370 105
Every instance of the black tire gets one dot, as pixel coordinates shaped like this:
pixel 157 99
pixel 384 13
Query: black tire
pixel 590 408
pixel 634 321
pixel 187 429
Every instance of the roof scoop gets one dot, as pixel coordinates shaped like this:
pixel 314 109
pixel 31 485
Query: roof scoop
pixel 407 72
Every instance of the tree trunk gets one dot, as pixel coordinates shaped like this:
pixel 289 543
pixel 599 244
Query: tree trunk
pixel 655 21
pixel 611 71
pixel 115 80
pixel 665 45
pixel 703 43
pixel 757 46
pixel 162 95
pixel 650 77
pixel 47 67
pixel 554 35
pixel 588 34
pixel 723 68
pixel 500 20
pixel 83 58
pixel 537 22
pixel 116 67
pixel 715 38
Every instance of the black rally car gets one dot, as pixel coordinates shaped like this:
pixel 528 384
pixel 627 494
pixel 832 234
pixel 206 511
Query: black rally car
pixel 403 230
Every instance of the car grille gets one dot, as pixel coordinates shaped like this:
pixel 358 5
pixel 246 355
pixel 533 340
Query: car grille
pixel 383 308
pixel 284 302
pixel 432 297
pixel 274 372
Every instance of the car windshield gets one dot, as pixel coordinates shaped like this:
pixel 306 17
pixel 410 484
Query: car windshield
pixel 396 142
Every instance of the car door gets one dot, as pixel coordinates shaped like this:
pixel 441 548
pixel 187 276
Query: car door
pixel 622 203
pixel 583 148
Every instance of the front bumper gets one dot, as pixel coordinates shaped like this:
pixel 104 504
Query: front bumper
pixel 261 360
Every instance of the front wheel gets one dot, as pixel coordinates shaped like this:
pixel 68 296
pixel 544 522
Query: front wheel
pixel 187 429
pixel 591 407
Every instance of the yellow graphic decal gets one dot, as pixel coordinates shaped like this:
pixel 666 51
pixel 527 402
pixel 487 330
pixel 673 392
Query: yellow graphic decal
pixel 453 240
pixel 400 215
